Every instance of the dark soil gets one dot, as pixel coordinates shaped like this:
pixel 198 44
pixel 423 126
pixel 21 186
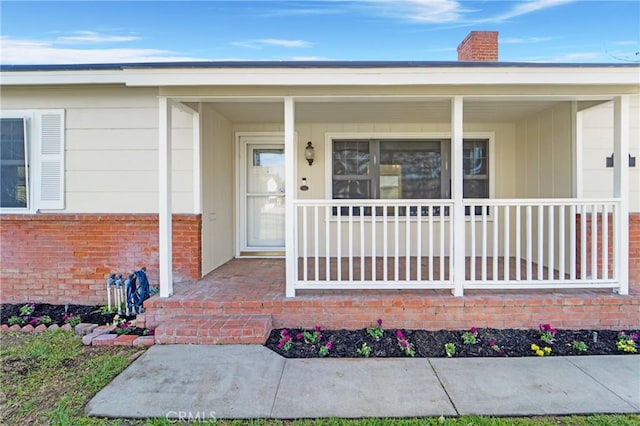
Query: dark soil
pixel 512 342
pixel 88 314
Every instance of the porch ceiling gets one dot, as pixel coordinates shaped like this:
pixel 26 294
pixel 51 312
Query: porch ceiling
pixel 389 111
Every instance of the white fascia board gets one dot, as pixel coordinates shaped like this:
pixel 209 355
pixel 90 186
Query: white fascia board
pixel 373 76
pixel 382 76
pixel 38 78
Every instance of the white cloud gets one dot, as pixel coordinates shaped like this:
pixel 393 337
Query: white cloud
pixel 527 40
pixel 94 37
pixel 261 43
pixel 522 8
pixel 22 52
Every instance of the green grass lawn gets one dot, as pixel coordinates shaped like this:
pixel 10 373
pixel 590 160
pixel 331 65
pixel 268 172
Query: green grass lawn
pixel 47 379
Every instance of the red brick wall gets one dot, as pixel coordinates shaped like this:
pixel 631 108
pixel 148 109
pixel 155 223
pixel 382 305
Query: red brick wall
pixel 634 251
pixel 634 246
pixel 66 258
pixel 479 46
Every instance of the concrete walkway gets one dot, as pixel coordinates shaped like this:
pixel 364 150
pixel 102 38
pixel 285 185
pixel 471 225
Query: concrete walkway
pixel 200 382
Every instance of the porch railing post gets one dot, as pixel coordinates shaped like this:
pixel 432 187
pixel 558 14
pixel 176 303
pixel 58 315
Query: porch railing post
pixel 165 261
pixel 621 190
pixel 457 221
pixel 290 209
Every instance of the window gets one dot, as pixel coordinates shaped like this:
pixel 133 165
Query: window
pixel 13 163
pixel 406 169
pixel 31 160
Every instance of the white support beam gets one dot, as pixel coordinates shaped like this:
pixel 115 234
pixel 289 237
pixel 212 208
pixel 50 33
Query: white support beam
pixel 289 173
pixel 621 189
pixel 164 198
pixel 197 159
pixel 458 220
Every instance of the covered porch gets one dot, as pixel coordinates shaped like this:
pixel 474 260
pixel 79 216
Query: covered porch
pixel 532 231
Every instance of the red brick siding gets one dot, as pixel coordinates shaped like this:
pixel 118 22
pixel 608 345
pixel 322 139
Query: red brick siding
pixel 66 258
pixel 634 247
pixel 479 46
pixel 634 251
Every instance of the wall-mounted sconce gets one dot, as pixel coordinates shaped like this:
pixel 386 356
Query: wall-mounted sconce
pixel 304 186
pixel 309 153
pixel 632 161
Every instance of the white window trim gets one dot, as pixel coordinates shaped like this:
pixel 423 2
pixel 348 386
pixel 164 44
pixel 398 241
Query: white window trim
pixel 33 119
pixel 330 136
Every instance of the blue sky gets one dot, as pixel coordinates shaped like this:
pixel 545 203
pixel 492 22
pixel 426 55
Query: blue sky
pixel 52 32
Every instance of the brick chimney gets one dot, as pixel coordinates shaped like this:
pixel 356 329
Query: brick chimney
pixel 479 46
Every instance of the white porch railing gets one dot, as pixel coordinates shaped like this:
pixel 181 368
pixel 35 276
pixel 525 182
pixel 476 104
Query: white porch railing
pixel 529 243
pixel 374 244
pixel 509 244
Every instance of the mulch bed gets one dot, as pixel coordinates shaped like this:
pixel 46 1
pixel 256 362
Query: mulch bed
pixel 512 342
pixel 88 313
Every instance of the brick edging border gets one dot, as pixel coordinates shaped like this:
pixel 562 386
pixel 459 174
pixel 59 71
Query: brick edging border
pixel 92 334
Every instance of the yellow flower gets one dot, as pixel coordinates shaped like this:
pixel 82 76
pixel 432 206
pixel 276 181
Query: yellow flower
pixel 534 347
pixel 540 352
pixel 547 350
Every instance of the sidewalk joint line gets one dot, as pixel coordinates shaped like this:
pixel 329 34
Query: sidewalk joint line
pixel 600 383
pixel 275 394
pixel 443 387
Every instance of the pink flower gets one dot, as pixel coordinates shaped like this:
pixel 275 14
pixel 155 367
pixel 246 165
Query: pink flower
pixel 286 338
pixel 474 331
pixel 492 343
pixel 634 335
pixel 280 344
pixel 379 322
pixel 404 344
pixel 299 336
pixel 399 334
pixel 317 328
pixel 329 345
pixel 284 332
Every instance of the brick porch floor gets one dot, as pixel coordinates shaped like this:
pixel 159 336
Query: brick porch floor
pixel 242 300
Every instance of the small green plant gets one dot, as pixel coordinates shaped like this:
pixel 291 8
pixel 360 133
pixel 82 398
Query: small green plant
pixel 28 309
pixel 72 319
pixel 496 348
pixel 105 310
pixel 579 346
pixel 324 349
pixel 285 340
pixel 627 343
pixel 376 332
pixel 16 320
pixel 45 319
pixel 364 350
pixel 547 333
pixel 450 349
pixel 470 337
pixel 541 351
pixel 404 344
pixel 310 336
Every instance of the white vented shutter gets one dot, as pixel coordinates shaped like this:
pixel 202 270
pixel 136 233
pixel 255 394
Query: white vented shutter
pixel 51 160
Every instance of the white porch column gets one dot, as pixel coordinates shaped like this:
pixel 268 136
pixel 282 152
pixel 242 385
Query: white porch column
pixel 621 189
pixel 457 219
pixel 290 175
pixel 197 159
pixel 164 198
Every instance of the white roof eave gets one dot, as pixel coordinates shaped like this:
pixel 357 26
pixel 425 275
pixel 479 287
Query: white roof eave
pixel 160 77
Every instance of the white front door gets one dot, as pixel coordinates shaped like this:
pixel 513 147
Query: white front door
pixel 262 188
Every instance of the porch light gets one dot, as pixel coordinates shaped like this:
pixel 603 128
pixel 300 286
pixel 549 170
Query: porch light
pixel 309 153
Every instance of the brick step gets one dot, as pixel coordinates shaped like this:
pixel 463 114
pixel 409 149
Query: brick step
pixel 214 329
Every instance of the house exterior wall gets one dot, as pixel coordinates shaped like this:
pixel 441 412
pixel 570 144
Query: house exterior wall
pixel 111 136
pixel 66 258
pixel 109 223
pixel 597 145
pixel 218 236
